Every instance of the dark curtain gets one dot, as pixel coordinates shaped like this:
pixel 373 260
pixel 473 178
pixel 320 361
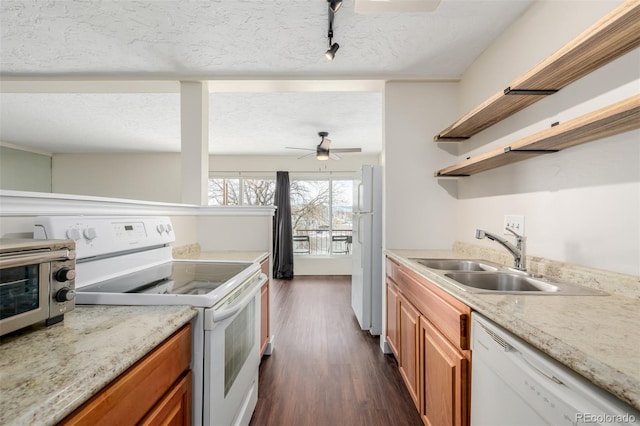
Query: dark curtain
pixel 282 232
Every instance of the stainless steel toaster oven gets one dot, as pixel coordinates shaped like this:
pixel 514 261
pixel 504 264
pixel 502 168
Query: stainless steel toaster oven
pixel 37 282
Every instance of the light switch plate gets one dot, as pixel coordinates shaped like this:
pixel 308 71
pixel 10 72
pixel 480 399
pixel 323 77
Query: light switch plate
pixel 515 222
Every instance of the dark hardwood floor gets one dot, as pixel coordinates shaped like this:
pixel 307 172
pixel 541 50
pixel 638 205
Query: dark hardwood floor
pixel 324 369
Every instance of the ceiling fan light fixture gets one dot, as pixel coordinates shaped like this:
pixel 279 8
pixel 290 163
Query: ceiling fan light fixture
pixel 322 156
pixel 331 53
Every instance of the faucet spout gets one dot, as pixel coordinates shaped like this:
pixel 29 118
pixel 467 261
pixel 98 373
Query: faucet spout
pixel 517 251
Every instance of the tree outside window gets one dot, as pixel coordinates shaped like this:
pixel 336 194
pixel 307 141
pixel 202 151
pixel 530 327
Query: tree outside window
pixel 320 208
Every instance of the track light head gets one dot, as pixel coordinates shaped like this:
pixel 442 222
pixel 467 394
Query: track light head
pixel 331 53
pixel 334 5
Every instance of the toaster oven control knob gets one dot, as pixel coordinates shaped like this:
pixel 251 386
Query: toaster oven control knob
pixel 65 295
pixel 65 274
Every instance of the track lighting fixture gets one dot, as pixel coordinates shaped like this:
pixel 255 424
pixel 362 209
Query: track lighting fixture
pixel 331 53
pixel 334 5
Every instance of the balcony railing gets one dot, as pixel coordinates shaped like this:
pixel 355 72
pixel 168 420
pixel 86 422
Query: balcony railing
pixel 322 241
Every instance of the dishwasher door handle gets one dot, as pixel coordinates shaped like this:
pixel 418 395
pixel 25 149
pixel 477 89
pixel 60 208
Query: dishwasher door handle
pixel 544 374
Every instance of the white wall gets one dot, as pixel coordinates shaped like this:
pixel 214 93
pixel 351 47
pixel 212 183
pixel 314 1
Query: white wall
pixel 419 211
pixel 157 177
pixel 251 233
pixel 580 205
pixel 136 176
pixel 257 163
pixel 24 171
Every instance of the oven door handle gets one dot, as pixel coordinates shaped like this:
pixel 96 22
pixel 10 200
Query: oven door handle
pixel 33 258
pixel 239 305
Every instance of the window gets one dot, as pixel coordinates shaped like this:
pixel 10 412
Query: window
pixel 241 191
pixel 224 192
pixel 258 192
pixel 321 209
pixel 321 216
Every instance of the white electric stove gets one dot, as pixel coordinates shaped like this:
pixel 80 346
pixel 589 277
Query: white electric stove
pixel 127 261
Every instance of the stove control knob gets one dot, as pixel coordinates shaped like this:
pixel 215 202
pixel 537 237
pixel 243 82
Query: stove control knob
pixel 160 229
pixel 65 295
pixel 90 233
pixel 65 274
pixel 74 234
pixel 169 228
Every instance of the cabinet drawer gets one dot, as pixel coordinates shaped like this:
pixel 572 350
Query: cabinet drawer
pixel 175 408
pixel 137 390
pixel 446 312
pixel 392 270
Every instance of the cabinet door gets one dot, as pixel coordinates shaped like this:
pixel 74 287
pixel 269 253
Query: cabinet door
pixel 392 318
pixel 445 379
pixel 264 318
pixel 409 319
pixel 175 408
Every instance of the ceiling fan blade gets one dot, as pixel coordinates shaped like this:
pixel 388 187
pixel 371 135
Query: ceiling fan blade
pixel 347 150
pixel 325 143
pixel 295 147
pixel 307 155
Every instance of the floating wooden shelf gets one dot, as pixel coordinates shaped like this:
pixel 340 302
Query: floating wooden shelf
pixel 613 119
pixel 609 38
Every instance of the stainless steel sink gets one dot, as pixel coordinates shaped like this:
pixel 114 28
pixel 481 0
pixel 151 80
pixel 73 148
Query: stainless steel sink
pixel 501 281
pixel 506 282
pixel 455 264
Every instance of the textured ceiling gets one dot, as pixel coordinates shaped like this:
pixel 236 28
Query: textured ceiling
pixel 230 39
pixel 240 123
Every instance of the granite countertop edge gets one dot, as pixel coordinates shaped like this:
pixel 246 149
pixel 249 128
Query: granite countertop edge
pixel 499 308
pixel 48 372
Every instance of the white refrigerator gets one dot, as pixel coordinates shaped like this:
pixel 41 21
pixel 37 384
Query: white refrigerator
pixel 366 281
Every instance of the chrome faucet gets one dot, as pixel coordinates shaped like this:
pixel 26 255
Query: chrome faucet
pixel 516 251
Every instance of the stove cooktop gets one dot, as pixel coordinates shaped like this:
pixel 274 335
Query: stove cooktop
pixel 198 283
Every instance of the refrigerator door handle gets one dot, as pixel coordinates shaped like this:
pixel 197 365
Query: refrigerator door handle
pixel 360 196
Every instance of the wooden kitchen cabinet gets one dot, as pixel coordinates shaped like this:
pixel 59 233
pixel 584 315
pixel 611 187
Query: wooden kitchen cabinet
pixel 392 318
pixel 264 309
pixel 445 379
pixel 175 408
pixel 432 345
pixel 155 390
pixel 409 355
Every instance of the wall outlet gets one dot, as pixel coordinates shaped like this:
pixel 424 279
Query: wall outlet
pixel 515 222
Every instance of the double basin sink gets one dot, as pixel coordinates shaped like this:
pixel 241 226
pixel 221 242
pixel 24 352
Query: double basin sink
pixel 478 276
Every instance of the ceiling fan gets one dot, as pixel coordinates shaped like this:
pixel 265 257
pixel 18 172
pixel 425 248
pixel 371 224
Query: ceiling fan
pixel 322 151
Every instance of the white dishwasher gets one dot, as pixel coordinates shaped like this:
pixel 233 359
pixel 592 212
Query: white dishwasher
pixel 513 384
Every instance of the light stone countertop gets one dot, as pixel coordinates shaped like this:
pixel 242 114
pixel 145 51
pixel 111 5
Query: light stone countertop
pixel 596 336
pixel 193 251
pixel 47 372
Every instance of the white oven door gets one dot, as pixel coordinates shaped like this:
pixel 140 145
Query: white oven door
pixel 232 357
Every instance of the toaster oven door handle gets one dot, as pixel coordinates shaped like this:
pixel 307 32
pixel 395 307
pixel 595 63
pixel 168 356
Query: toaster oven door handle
pixel 22 259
